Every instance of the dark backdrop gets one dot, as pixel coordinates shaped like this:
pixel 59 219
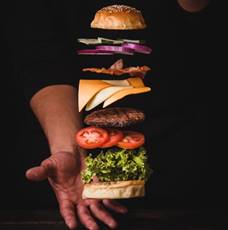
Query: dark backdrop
pixel 176 110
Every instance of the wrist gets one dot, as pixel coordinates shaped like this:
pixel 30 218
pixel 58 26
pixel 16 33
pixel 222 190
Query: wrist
pixel 70 148
pixel 63 140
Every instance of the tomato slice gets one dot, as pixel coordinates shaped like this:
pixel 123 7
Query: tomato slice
pixel 131 140
pixel 115 136
pixel 91 137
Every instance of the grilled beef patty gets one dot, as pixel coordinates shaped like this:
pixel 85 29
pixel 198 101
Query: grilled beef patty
pixel 114 117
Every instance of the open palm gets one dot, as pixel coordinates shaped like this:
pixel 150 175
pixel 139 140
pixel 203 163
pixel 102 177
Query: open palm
pixel 63 172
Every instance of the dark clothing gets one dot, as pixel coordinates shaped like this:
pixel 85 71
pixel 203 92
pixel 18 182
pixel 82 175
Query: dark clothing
pixel 40 40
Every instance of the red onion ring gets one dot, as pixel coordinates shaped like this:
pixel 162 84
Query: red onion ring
pixel 116 49
pixel 93 52
pixel 138 48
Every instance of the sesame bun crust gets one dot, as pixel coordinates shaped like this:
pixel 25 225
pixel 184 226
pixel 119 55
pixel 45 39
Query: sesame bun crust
pixel 118 17
pixel 114 190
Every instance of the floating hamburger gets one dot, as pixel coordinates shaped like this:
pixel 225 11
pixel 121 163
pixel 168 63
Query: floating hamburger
pixel 117 165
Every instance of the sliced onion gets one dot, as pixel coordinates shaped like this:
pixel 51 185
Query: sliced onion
pixel 133 41
pixel 93 52
pixel 116 49
pixel 126 53
pixel 138 48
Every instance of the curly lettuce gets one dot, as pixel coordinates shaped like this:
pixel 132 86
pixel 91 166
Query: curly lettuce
pixel 116 164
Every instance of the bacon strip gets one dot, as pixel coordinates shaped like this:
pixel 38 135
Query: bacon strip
pixel 118 64
pixel 117 69
pixel 130 70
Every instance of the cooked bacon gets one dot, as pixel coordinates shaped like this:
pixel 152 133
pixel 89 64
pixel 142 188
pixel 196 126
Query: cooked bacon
pixel 133 71
pixel 117 69
pixel 118 64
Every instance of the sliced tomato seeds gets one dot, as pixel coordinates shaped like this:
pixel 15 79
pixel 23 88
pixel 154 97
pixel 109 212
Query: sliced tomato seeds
pixel 93 137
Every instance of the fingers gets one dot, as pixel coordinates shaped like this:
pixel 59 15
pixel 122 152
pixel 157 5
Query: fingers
pixel 100 213
pixel 37 173
pixel 67 211
pixel 41 172
pixel 85 217
pixel 115 206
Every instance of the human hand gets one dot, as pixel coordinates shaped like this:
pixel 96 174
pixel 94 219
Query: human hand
pixel 63 172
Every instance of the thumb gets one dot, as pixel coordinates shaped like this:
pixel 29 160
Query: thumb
pixel 39 173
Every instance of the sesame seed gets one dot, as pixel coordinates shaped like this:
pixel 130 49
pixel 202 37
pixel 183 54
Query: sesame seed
pixel 119 8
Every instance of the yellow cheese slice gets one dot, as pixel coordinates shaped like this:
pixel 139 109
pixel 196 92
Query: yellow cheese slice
pixel 87 89
pixel 123 93
pixel 117 82
pixel 103 95
pixel 136 82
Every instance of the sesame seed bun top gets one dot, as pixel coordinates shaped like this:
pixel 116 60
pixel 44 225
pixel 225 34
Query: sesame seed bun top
pixel 118 17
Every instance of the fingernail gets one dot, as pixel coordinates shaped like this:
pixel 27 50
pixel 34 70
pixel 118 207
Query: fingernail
pixel 112 224
pixel 70 225
pixel 124 210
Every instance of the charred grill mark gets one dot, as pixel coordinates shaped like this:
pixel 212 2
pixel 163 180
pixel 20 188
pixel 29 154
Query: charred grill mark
pixel 114 117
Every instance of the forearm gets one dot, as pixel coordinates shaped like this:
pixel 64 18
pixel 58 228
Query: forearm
pixel 193 5
pixel 56 109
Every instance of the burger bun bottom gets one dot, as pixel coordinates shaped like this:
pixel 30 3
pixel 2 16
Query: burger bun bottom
pixel 114 190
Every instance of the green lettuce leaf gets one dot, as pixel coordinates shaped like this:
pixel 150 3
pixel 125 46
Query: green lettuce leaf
pixel 116 164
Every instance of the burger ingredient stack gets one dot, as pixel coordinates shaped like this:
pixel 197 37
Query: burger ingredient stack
pixel 117 165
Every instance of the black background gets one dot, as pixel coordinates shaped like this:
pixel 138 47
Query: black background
pixel 182 61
